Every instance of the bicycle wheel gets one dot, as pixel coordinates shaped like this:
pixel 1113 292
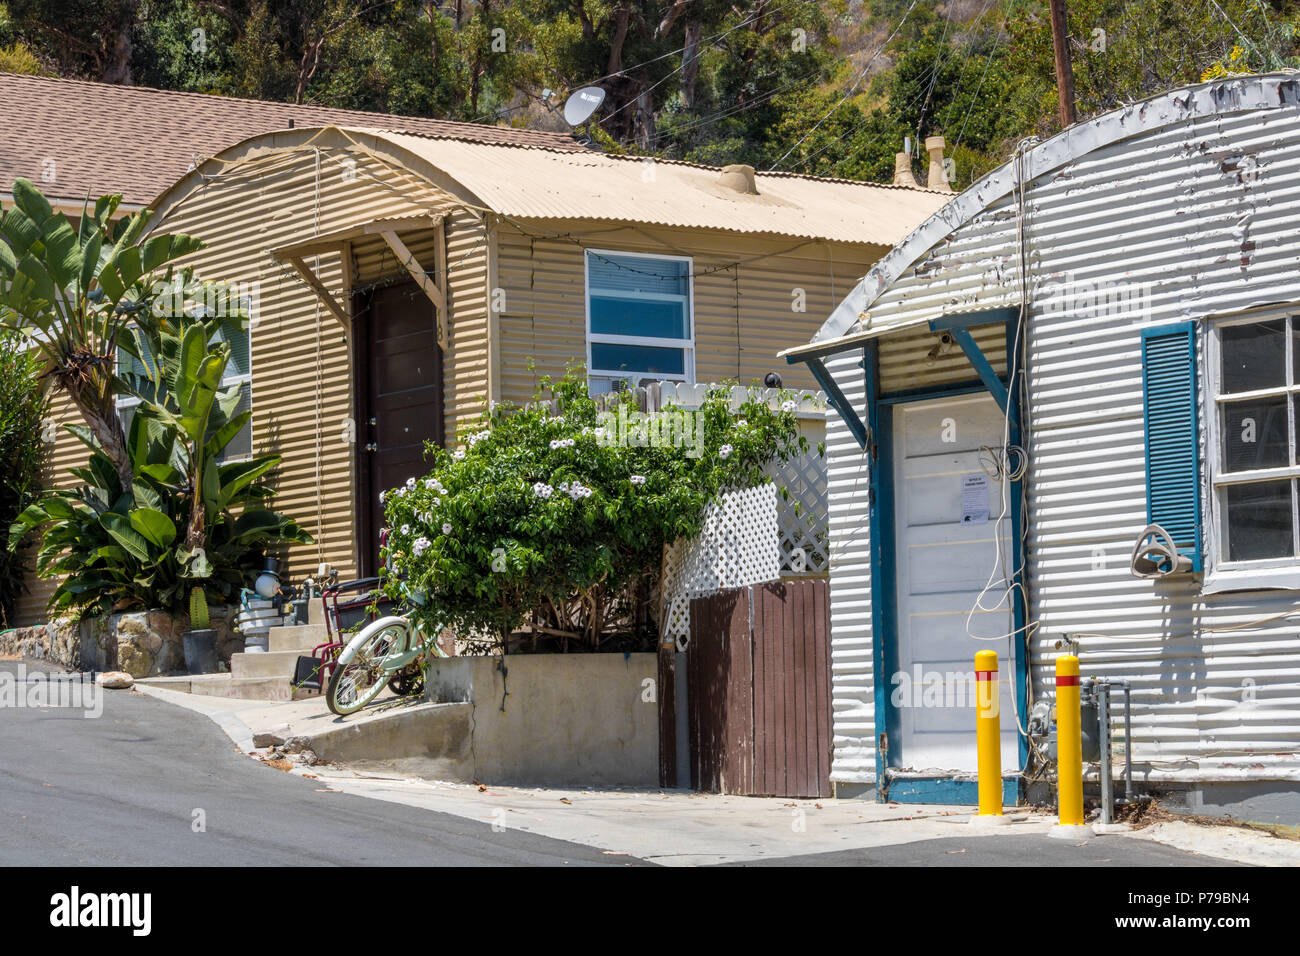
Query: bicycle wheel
pixel 360 674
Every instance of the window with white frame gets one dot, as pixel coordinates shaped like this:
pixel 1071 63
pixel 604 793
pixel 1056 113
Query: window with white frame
pixel 1254 373
pixel 239 371
pixel 639 319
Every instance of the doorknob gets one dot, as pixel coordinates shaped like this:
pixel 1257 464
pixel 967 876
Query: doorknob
pixel 374 422
pixel 372 446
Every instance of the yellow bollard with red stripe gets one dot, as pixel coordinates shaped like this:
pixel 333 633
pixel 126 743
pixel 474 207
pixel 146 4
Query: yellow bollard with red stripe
pixel 1069 742
pixel 988 733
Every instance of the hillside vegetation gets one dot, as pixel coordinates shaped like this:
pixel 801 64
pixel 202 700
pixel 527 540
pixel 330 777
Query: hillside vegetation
pixel 830 87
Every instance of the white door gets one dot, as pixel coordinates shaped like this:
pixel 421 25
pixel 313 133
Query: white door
pixel 946 510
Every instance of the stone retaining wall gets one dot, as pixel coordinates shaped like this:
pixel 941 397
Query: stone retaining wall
pixel 142 643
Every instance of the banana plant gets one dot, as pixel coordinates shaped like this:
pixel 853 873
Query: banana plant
pixel 72 289
pixel 184 519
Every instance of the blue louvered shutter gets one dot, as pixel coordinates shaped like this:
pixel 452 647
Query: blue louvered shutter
pixel 1169 404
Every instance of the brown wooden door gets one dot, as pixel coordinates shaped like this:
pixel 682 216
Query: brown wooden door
pixel 399 395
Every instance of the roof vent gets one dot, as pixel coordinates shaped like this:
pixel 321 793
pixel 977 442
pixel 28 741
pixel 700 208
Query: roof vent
pixel 938 178
pixel 739 179
pixel 903 170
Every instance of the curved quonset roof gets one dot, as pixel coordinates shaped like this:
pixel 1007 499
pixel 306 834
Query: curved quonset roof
pixel 79 138
pixel 1220 97
pixel 537 183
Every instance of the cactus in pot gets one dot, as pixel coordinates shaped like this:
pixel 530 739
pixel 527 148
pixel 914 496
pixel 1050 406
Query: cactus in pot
pixel 200 640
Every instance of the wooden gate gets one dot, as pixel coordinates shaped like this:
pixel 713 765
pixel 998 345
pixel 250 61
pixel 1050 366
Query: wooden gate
pixel 758 674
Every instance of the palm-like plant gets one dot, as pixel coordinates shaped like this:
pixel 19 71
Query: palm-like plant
pixel 71 290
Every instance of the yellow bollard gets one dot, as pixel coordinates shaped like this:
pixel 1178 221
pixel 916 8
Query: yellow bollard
pixel 1069 742
pixel 988 733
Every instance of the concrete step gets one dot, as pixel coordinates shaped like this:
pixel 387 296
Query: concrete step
pixel 406 736
pixel 315 612
pixel 225 685
pixel 266 664
pixel 296 637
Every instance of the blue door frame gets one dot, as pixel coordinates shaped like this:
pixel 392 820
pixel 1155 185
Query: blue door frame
pixel 884 610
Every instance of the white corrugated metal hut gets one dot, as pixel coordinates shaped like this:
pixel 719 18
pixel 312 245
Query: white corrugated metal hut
pixel 1144 268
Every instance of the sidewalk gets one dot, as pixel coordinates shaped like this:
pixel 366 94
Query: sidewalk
pixel 683 828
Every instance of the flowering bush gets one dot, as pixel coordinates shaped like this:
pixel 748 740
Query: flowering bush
pixel 555 516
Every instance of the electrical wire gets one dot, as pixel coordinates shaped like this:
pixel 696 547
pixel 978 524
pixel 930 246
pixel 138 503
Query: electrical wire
pixel 852 89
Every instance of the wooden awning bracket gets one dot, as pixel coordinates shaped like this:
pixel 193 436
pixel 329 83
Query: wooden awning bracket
pixel 322 293
pixel 432 284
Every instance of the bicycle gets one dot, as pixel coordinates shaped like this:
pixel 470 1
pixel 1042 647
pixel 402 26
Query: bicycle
pixel 389 652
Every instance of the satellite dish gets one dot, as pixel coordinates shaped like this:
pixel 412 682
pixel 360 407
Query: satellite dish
pixel 582 104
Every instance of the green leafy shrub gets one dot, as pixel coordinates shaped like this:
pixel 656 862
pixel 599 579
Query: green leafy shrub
pixel 185 520
pixel 556 516
pixel 22 409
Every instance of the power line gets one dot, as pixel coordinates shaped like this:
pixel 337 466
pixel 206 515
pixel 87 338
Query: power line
pixel 853 89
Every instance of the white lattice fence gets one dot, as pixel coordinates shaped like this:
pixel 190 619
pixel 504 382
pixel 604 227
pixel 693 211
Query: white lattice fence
pixel 801 511
pixel 738 546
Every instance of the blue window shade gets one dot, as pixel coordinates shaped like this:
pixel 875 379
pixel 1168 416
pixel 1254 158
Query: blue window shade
pixel 1169 404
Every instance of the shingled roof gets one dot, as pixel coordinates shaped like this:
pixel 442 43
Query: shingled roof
pixel 75 138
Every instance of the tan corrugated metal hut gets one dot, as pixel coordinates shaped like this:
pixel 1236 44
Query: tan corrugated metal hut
pixel 402 280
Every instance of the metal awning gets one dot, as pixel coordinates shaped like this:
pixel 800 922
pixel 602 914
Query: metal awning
pixel 958 324
pixel 340 241
pixel 948 320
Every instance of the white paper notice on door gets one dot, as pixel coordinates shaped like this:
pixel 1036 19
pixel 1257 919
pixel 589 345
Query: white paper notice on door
pixel 975 499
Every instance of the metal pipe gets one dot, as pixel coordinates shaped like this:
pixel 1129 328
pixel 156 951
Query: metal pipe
pixel 1128 744
pixel 1104 769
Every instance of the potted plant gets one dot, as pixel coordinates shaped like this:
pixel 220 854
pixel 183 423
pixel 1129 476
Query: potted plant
pixel 200 641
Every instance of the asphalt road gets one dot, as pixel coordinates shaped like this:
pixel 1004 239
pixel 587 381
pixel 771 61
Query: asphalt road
pixel 122 790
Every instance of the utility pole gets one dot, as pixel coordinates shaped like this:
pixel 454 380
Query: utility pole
pixel 1064 73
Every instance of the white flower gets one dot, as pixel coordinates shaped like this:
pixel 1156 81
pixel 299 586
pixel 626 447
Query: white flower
pixel 564 486
pixel 789 405
pixel 406 529
pixel 561 443
pixel 477 437
pixel 436 502
pixel 576 491
pixel 410 483
pixel 725 451
pixel 420 545
pixel 381 497
pixel 458 454
pixel 401 492
pixel 637 479
pixel 741 423
pixel 446 528
pixel 542 490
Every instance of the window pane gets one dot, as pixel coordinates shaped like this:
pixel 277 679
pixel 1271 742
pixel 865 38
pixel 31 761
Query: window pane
pixel 636 360
pixel 1254 434
pixel 241 446
pixel 649 317
pixel 1254 356
pixel 1295 349
pixel 1259 520
pixel 238 342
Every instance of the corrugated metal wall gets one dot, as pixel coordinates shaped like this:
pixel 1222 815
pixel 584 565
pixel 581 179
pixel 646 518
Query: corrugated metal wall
pixel 743 312
pixel 1170 214
pixel 302 378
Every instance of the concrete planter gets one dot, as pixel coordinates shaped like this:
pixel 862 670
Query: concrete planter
pixel 557 720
